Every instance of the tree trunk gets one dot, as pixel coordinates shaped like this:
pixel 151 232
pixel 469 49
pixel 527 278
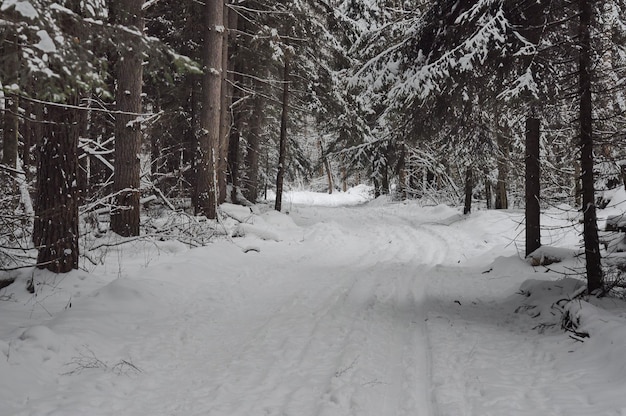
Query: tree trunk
pixel 129 75
pixel 402 176
pixel 533 229
pixel 55 232
pixel 252 153
pixel 207 152
pixel 282 155
pixel 488 193
pixel 326 163
pixel 469 189
pixel 191 139
pixel 502 201
pixel 225 102
pixel 590 229
pixel 235 133
pixel 385 178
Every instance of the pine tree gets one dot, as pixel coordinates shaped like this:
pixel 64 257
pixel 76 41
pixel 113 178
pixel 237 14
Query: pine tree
pixel 128 76
pixel 207 152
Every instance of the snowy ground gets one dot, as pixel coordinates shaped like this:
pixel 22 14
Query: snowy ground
pixel 335 309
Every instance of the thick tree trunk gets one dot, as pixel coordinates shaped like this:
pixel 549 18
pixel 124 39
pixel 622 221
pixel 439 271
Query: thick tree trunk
pixel 225 102
pixel 129 75
pixel 590 231
pixel 207 152
pixel 533 229
pixel 55 232
pixel 282 155
pixel 502 201
pixel 469 189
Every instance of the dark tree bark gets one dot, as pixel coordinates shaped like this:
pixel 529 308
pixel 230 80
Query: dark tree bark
pixel 384 186
pixel 488 194
pixel 129 75
pixel 225 102
pixel 55 232
pixel 502 201
pixel 326 163
pixel 252 153
pixel 590 229
pixel 469 189
pixel 402 181
pixel 207 152
pixel 282 155
pixel 533 229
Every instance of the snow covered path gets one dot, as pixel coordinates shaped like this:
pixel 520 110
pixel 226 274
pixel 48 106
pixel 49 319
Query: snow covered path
pixel 336 329
pixel 382 310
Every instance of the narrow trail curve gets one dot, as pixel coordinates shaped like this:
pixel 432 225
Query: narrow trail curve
pixel 339 330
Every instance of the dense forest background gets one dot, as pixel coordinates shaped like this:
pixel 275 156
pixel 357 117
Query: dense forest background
pixel 110 106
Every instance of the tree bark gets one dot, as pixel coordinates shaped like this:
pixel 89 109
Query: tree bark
pixel 532 212
pixel 225 102
pixel 488 194
pixel 55 232
pixel 282 155
pixel 590 229
pixel 402 176
pixel 469 189
pixel 235 133
pixel 502 201
pixel 129 76
pixel 207 152
pixel 326 163
pixel 252 153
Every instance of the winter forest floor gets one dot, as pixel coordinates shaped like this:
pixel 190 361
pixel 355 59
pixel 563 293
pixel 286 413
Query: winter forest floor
pixel 381 309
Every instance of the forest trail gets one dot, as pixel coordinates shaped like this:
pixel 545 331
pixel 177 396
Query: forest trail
pixel 330 324
pixel 365 311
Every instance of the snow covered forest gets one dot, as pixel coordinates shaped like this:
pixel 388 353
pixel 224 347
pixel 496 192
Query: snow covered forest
pixel 312 207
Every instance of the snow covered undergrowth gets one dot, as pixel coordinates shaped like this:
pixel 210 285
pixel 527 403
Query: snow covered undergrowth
pixel 377 309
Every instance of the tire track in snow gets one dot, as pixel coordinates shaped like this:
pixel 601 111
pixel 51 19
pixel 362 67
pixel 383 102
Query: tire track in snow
pixel 340 333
